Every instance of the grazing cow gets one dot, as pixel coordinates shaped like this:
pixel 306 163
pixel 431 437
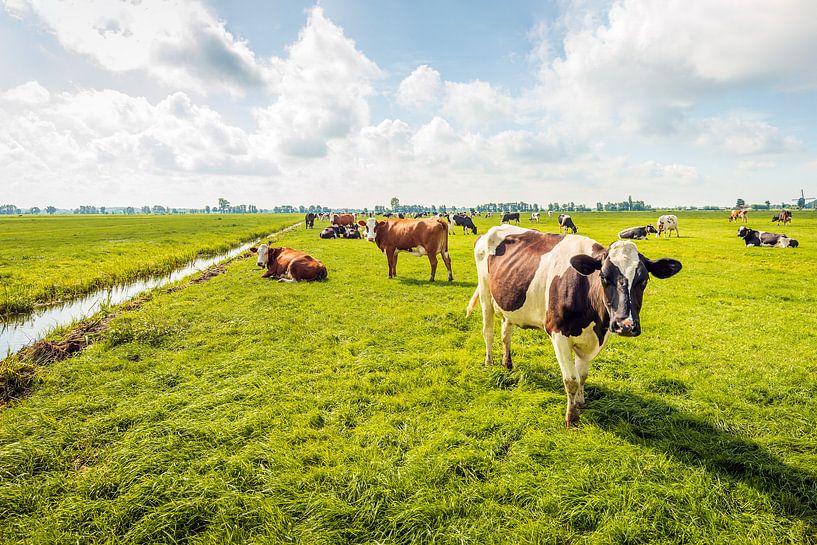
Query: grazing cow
pixel 784 216
pixel 461 220
pixel 566 224
pixel 571 286
pixel 419 215
pixel 507 217
pixel 288 265
pixel 427 237
pixel 638 233
pixel 342 220
pixel 668 223
pixel 762 238
pixel 309 219
pixel 351 232
pixel 534 217
pixel 736 215
pixel 332 232
pixel 489 214
pixel 550 213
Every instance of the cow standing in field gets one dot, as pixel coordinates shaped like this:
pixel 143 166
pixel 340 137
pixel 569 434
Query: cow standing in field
pixel 309 220
pixel 668 223
pixel 550 213
pixel 762 238
pixel 427 237
pixel 508 217
pixel 784 216
pixel 461 220
pixel 637 233
pixel 534 217
pixel 489 214
pixel 342 220
pixel 736 215
pixel 574 288
pixel 566 224
pixel 288 265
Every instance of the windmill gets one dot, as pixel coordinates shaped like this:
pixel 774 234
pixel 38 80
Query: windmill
pixel 801 200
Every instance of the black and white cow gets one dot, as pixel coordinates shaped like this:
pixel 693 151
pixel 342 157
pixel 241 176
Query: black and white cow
pixel 352 232
pixel 461 220
pixel 762 238
pixel 574 288
pixel 507 217
pixel 566 224
pixel 334 231
pixel 638 233
pixel 309 220
pixel 534 217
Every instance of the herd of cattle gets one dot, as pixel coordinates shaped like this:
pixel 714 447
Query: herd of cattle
pixel 577 290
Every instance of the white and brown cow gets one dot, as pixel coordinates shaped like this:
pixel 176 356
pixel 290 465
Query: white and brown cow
pixel 668 223
pixel 288 264
pixel 736 215
pixel 571 286
pixel 427 237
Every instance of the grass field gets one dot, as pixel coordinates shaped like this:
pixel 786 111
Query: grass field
pixel 45 259
pixel 358 410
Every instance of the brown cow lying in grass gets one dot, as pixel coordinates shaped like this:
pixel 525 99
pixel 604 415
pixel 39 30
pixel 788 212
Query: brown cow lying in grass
pixel 288 265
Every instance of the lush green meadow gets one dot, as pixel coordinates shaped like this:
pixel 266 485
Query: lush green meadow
pixel 49 258
pixel 358 410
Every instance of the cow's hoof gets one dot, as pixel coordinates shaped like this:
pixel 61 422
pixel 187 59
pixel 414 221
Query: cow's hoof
pixel 508 364
pixel 489 361
pixel 580 404
pixel 431 279
pixel 450 278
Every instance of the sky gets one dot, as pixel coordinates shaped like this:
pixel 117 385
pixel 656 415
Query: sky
pixel 348 103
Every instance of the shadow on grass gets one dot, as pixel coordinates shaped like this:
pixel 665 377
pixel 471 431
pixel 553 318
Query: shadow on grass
pixel 441 281
pixel 691 440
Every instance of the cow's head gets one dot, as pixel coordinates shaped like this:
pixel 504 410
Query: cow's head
pixel 623 273
pixel 744 231
pixel 263 254
pixel 371 228
pixel 650 229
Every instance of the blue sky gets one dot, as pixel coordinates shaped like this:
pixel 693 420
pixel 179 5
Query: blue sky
pixel 348 103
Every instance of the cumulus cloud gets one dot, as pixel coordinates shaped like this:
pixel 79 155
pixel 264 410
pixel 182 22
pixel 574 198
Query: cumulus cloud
pixel 421 88
pixel 322 90
pixel 28 93
pixel 477 104
pixel 178 42
pixel 744 135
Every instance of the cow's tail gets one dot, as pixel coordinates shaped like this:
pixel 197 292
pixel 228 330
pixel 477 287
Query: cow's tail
pixel 472 303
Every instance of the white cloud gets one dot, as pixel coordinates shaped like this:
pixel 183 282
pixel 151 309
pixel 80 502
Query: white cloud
pixel 322 90
pixel 421 88
pixel 477 104
pixel 180 43
pixel 744 135
pixel 28 93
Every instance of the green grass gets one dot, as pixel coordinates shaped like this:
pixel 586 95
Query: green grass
pixel 358 410
pixel 47 259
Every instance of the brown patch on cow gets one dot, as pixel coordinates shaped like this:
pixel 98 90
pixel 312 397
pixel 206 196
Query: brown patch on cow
pixel 569 311
pixel 515 264
pixel 405 234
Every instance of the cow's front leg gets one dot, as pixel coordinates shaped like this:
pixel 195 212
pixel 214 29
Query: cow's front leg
pixel 582 366
pixel 570 378
pixel 432 259
pixel 391 257
pixel 507 332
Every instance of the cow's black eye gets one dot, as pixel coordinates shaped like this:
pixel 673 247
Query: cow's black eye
pixel 604 280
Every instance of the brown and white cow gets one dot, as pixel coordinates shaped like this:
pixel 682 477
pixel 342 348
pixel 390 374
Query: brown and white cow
pixel 342 220
pixel 784 216
pixel 571 286
pixel 427 237
pixel 288 265
pixel 736 215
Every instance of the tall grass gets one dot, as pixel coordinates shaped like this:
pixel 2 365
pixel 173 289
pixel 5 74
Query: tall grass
pixel 357 410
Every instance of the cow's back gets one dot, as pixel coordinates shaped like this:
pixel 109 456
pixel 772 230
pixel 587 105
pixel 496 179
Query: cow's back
pixel 405 234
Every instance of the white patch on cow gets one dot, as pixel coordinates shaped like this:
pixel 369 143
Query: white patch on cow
pixel 262 255
pixel 624 255
pixel 416 251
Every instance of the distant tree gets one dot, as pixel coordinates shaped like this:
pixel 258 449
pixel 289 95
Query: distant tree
pixel 130 210
pixel 146 209
pixel 599 206
pixel 223 204
pixel 158 209
pixel 102 210
pixel 394 203
pixel 207 209
pixel 740 203
pixel 9 209
pixel 50 209
pixel 33 210
pixel 768 205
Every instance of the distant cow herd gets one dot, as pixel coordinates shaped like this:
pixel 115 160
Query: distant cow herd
pixel 577 290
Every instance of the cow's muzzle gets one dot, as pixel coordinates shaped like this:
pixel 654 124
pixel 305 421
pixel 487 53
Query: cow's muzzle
pixel 626 328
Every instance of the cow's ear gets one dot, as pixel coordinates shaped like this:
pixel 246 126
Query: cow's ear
pixel 585 264
pixel 254 249
pixel 361 223
pixel 381 223
pixel 662 268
